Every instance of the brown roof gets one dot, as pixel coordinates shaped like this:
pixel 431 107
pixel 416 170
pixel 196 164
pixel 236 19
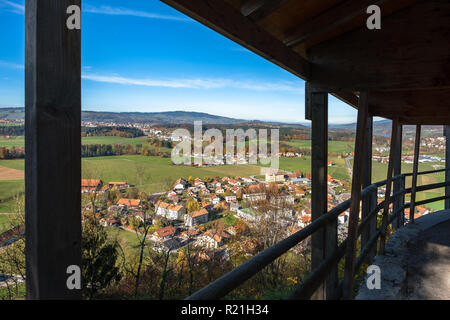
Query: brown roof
pixel 162 204
pixel 90 182
pixel 129 202
pixel 198 213
pixel 166 231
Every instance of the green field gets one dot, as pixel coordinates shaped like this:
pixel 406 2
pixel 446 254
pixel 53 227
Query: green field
pixel 20 141
pixel 333 146
pixel 154 174
pixel 8 190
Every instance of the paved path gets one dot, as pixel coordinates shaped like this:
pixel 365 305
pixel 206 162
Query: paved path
pixel 416 265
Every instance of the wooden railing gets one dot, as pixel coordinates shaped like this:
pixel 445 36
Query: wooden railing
pixel 225 284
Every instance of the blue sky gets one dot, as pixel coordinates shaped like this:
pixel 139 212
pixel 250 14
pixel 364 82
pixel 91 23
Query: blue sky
pixel 145 56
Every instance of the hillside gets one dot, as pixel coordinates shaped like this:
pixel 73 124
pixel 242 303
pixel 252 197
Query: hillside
pixel 171 117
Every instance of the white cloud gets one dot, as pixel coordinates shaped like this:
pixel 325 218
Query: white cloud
pixel 11 65
pixel 207 83
pixel 14 7
pixel 130 12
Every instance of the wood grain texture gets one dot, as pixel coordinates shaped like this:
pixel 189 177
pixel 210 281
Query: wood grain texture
pixel 358 169
pixel 411 51
pixel 53 147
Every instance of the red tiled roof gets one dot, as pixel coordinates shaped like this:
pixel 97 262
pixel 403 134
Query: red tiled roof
pixel 166 231
pixel 129 202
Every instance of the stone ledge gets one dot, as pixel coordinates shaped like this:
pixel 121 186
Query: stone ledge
pixel 393 264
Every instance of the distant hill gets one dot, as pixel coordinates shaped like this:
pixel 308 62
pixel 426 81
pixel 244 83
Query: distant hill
pixel 12 113
pixel 171 117
pixel 383 128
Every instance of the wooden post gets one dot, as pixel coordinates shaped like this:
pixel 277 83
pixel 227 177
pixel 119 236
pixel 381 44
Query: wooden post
pixel 412 208
pixel 367 202
pixel 325 239
pixel 387 198
pixel 447 164
pixel 358 169
pixel 53 149
pixel 399 183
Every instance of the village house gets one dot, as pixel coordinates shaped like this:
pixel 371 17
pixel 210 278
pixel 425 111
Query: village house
pixel 120 185
pixel 180 184
pixel 214 199
pixel 213 239
pixel 170 211
pixel 304 220
pixel 254 197
pixel 230 199
pixel 165 233
pixel 132 204
pixel 90 185
pixel 275 176
pixel 196 217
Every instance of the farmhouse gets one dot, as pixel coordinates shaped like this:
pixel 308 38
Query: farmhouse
pixel 90 185
pixel 129 203
pixel 118 185
pixel 165 233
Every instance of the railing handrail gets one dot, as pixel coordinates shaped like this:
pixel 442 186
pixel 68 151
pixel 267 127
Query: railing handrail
pixel 231 280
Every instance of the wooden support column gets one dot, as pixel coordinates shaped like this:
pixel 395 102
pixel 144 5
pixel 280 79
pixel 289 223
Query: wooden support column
pixel 387 199
pixel 399 184
pixel 323 241
pixel 447 164
pixel 53 148
pixel 368 203
pixel 412 208
pixel 358 167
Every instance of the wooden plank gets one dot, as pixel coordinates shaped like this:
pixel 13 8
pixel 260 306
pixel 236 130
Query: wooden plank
pixel 412 208
pixel 226 20
pixel 328 20
pixel 257 10
pixel 400 183
pixel 393 150
pixel 358 167
pixel 53 149
pixel 447 164
pixel 367 202
pixel 319 175
pixel 369 60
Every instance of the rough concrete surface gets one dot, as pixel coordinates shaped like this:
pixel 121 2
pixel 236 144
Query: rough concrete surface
pixel 416 265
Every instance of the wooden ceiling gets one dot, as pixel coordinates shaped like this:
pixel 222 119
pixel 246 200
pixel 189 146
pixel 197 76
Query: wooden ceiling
pixel 405 66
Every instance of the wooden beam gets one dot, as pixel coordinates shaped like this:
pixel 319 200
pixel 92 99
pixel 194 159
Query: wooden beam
pixel 369 59
pixel 412 208
pixel 447 164
pixel 393 150
pixel 319 175
pixel 369 202
pixel 399 184
pixel 53 149
pixel 257 10
pixel 358 167
pixel 226 20
pixel 328 20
